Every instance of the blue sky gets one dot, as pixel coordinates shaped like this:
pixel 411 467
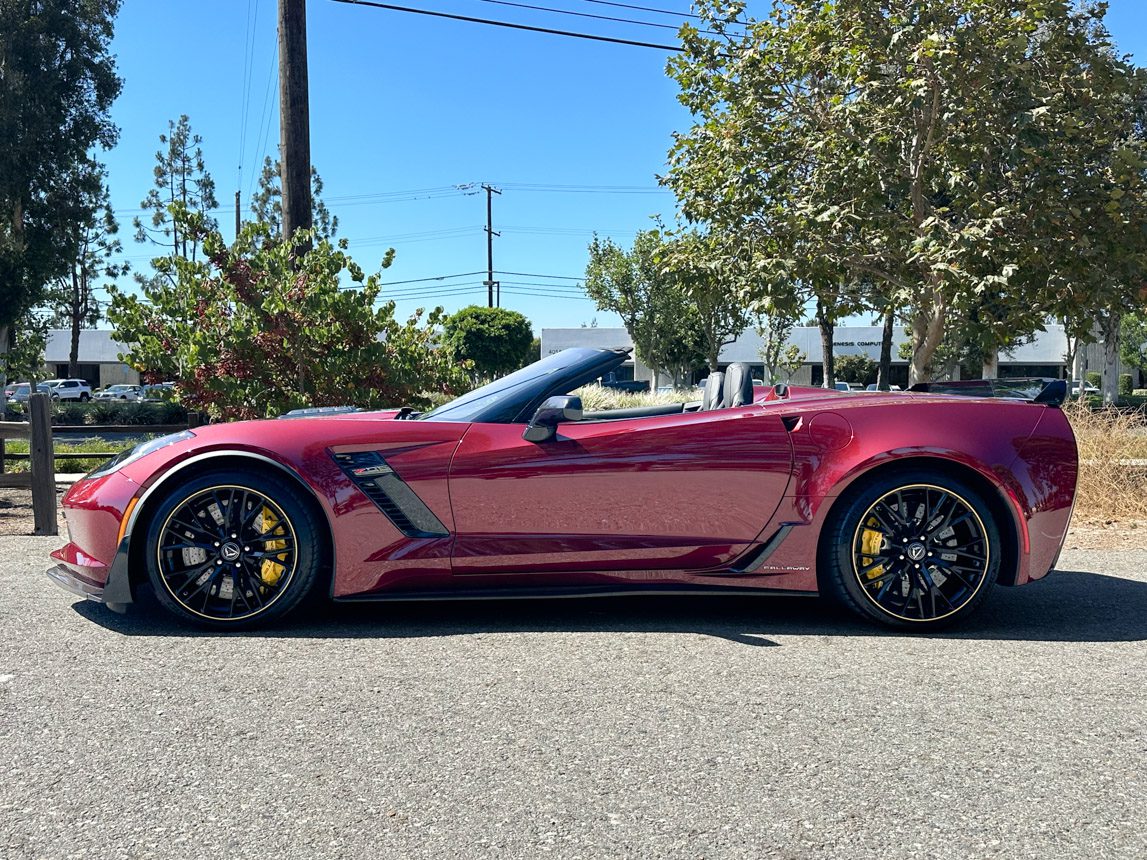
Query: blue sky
pixel 407 103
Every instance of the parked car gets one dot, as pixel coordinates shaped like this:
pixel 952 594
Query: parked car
pixel 18 392
pixel 158 391
pixel 633 386
pixel 121 392
pixel 873 387
pixel 1088 388
pixel 907 510
pixel 848 386
pixel 69 389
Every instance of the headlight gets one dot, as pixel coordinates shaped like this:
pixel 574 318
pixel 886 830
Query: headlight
pixel 140 450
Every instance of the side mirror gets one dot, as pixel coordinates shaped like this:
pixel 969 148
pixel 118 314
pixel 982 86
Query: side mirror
pixel 544 425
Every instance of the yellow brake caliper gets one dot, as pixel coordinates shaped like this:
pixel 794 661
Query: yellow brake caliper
pixel 272 569
pixel 871 542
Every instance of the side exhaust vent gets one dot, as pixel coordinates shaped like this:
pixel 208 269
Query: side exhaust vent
pixel 371 474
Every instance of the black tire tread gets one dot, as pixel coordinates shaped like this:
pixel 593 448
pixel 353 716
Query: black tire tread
pixel 834 562
pixel 308 533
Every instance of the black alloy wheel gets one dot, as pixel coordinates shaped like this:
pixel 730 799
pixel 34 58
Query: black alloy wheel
pixel 915 550
pixel 231 549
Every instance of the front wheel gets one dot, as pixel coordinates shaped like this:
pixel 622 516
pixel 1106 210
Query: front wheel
pixel 233 549
pixel 84 398
pixel 914 550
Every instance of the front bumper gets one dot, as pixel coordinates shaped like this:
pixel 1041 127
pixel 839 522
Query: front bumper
pixel 69 581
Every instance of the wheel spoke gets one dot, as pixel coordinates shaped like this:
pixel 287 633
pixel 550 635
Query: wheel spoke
pixel 205 522
pixel 913 515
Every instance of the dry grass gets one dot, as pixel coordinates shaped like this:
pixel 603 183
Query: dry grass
pixel 597 397
pixel 1112 464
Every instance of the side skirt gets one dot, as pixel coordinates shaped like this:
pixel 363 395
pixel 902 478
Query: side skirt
pixel 567 592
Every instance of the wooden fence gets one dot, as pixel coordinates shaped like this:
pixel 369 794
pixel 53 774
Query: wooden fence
pixel 41 479
pixel 42 456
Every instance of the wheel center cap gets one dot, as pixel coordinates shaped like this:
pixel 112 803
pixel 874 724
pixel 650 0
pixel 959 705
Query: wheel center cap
pixel 916 551
pixel 230 551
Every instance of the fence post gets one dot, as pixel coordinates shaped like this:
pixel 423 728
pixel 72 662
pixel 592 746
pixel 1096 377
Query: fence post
pixel 2 454
pixel 193 419
pixel 43 463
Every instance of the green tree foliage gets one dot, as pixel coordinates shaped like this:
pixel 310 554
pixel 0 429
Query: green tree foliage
pixel 648 299
pixel 255 330
pixel 943 157
pixel 856 368
pixel 1133 340
pixel 707 276
pixel 495 341
pixel 181 177
pixel 267 204
pixel 72 300
pixel 57 84
pixel 27 339
pixel 780 357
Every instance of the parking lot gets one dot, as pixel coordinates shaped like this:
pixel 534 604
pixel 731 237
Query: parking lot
pixel 642 728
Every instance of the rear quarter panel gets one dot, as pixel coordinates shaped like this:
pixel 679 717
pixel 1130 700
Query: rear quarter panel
pixel 1025 452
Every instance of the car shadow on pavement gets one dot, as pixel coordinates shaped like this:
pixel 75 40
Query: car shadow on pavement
pixel 1068 606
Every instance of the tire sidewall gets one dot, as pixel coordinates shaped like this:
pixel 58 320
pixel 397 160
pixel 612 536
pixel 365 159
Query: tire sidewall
pixel 287 497
pixel 838 577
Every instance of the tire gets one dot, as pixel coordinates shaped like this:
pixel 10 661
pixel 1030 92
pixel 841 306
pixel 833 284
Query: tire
pixel 233 550
pixel 912 550
pixel 84 398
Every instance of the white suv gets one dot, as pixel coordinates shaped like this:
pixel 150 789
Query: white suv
pixel 69 389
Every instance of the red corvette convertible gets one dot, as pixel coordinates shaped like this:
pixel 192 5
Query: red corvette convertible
pixel 905 507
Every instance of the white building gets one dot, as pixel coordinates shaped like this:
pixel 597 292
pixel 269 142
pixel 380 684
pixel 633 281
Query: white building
pixel 99 357
pixel 1044 356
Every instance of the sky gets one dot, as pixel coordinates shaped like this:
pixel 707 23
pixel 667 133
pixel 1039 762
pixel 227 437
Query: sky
pixel 406 108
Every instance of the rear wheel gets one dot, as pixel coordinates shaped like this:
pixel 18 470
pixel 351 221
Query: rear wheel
pixel 912 550
pixel 233 549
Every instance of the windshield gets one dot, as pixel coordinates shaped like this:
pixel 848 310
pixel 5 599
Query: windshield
pixel 483 404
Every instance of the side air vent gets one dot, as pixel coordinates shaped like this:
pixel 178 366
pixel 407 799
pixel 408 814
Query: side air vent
pixel 380 483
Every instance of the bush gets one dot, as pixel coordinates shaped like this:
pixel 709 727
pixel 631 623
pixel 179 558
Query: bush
pixel 1109 489
pixel 1095 378
pixel 99 412
pixel 1125 385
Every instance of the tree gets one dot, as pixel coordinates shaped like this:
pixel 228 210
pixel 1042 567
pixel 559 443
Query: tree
pixel 27 339
pixel 634 285
pixel 856 368
pixel 257 329
pixel 72 298
pixel 707 275
pixel 779 356
pixel 267 204
pixel 1133 340
pixel 57 84
pixel 495 340
pixel 853 140
pixel 181 177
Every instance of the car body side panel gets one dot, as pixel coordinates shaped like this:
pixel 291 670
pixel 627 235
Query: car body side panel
pixel 996 439
pixel 370 552
pixel 671 500
pixel 676 492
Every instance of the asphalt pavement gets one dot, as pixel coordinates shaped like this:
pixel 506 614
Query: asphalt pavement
pixel 619 728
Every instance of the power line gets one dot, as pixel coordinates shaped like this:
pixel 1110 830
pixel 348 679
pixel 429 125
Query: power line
pixel 659 11
pixel 582 14
pixel 534 275
pixel 644 9
pixel 494 23
pixel 435 278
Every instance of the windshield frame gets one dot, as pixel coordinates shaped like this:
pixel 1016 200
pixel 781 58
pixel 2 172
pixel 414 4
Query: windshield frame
pixel 514 398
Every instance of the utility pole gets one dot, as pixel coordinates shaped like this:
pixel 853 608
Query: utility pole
pixel 490 234
pixel 294 117
pixel 237 221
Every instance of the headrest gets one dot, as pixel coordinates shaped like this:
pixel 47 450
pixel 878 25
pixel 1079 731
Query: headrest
pixel 713 398
pixel 738 385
